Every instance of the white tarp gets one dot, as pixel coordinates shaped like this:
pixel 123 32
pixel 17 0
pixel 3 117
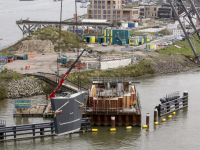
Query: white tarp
pixel 115 63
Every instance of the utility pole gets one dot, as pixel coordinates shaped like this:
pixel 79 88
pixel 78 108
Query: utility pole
pixel 1 55
pixel 59 36
pixel 77 45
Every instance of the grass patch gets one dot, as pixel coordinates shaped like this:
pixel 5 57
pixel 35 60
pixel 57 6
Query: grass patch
pixel 67 43
pixel 138 32
pixel 132 70
pixel 185 48
pixel 5 78
pixel 165 32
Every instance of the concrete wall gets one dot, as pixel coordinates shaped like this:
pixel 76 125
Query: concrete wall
pixel 115 63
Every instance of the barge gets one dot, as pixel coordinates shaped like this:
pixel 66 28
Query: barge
pixel 109 97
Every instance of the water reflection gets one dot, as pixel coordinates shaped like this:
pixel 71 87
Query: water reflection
pixel 171 134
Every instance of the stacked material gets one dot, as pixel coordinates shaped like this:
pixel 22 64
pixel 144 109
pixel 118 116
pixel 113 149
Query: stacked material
pixel 25 87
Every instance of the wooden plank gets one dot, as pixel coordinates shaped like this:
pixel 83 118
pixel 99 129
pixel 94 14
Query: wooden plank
pixel 128 100
pixel 124 101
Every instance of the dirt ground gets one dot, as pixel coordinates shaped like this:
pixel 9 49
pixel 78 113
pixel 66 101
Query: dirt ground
pixel 40 63
pixel 47 62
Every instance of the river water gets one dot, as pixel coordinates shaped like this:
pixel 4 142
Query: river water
pixel 178 133
pixel 45 10
pixel 181 132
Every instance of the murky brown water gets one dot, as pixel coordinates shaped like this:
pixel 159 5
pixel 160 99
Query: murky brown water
pixel 179 132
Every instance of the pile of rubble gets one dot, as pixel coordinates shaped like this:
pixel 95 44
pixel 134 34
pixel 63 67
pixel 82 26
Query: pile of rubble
pixel 25 87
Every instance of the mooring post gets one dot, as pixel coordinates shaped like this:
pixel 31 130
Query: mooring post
pixel 112 121
pixel 33 129
pixel 14 129
pixel 185 98
pixel 147 119
pixel 1 135
pixel 155 114
pixel 176 105
pixel 168 106
pixel 41 131
pixel 159 109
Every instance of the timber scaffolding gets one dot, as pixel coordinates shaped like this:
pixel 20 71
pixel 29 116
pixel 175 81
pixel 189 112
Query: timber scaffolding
pixel 172 102
pixel 113 97
pixel 36 130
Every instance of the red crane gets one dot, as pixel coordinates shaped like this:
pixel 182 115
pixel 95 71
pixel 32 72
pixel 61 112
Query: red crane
pixel 66 75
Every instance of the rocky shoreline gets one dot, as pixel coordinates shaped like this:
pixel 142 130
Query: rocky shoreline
pixel 25 87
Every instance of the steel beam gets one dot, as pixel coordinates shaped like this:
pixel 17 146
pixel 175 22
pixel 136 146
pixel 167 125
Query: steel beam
pixel 186 35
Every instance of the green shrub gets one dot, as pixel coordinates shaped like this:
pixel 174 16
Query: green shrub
pixel 3 91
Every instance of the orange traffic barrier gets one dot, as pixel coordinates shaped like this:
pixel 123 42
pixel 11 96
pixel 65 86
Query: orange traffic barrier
pixel 32 55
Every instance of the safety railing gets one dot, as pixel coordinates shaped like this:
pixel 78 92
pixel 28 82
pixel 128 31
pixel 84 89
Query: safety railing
pixel 36 129
pixel 15 131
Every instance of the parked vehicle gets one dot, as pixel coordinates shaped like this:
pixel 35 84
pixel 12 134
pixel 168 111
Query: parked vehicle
pixel 155 27
pixel 104 44
pixel 161 35
pixel 188 27
pixel 169 42
pixel 181 38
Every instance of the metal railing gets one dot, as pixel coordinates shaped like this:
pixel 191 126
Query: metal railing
pixel 29 128
pixel 33 129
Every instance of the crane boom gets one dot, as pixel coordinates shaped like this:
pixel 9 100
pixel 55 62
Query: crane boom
pixel 65 76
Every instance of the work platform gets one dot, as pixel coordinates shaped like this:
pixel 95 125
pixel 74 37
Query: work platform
pixel 34 111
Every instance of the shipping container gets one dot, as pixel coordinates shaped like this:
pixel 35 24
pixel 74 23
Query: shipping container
pixel 4 59
pixel 64 60
pixel 116 36
pixel 133 41
pixel 59 60
pixel 25 56
pixel 101 39
pixel 89 39
pixel 77 31
pixel 131 25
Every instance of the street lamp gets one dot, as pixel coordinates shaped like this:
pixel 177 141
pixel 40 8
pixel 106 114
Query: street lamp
pixel 0 47
pixel 1 55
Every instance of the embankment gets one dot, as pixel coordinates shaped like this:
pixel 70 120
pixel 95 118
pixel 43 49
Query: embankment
pixel 24 87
